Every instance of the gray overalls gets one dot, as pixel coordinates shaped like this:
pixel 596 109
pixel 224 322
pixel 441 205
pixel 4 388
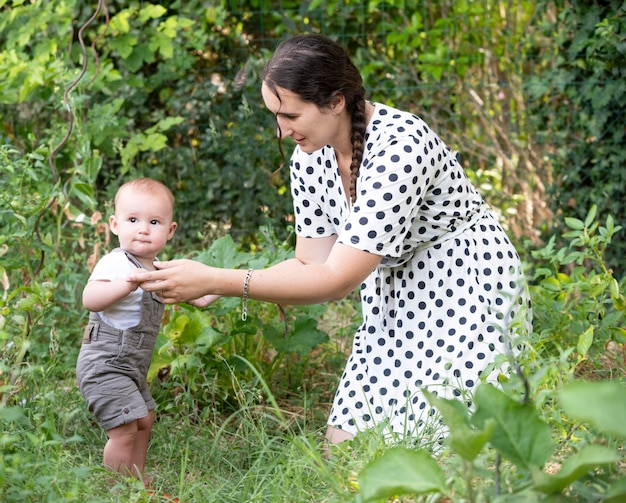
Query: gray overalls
pixel 113 364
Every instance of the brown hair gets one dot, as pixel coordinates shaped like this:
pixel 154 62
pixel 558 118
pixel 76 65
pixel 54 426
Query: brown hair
pixel 318 69
pixel 147 186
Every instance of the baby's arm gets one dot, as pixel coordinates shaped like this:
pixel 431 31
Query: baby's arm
pixel 204 301
pixel 99 295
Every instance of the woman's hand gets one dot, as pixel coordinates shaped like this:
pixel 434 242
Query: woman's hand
pixel 175 280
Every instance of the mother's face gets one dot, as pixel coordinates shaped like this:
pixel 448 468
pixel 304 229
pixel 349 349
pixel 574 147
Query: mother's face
pixel 310 126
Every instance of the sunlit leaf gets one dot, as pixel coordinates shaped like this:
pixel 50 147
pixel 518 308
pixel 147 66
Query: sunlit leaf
pixel 401 471
pixel 575 467
pixel 602 404
pixel 519 433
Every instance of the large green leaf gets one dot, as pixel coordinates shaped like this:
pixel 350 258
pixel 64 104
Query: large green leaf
pixel 575 467
pixel 601 404
pixel 463 438
pixel 519 433
pixel 223 252
pixel 401 471
pixel 616 493
pixel 301 339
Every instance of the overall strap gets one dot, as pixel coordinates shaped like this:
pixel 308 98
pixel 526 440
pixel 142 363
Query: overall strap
pixel 131 258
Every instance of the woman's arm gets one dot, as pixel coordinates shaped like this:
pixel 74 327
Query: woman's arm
pixel 99 295
pixel 322 270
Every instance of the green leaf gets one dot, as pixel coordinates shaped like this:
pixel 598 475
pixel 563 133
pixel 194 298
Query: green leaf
pixel 162 43
pixel 209 337
pixel 176 327
pixel 168 122
pixel 610 224
pixel 154 142
pixel 551 284
pixel 301 339
pixel 591 215
pixel 601 404
pixel 574 223
pixel 198 323
pixel 13 414
pixel 519 433
pixel 85 192
pixel 224 253
pixel 463 439
pixel 123 44
pixel 401 471
pixel 575 467
pixel 584 341
pixel 616 492
pixel 151 11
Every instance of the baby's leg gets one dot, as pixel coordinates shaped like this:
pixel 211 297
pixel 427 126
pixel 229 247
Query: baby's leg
pixel 127 447
pixel 140 451
pixel 118 451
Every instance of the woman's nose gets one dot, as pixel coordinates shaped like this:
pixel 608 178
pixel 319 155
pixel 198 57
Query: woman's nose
pixel 283 129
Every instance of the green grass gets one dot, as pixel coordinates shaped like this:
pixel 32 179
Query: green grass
pixel 251 455
pixel 264 441
pixel 258 452
pixel 266 448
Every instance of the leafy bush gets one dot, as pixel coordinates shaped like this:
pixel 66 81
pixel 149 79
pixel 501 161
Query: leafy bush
pixel 517 433
pixel 577 104
pixel 211 353
pixel 579 303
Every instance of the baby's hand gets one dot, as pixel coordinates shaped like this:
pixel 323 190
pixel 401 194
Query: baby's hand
pixel 132 284
pixel 204 301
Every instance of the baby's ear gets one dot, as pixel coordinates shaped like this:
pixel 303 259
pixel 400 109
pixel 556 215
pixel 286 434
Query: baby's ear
pixel 173 227
pixel 113 224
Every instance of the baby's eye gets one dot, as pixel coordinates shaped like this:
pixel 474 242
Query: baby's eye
pixel 132 220
pixel 155 222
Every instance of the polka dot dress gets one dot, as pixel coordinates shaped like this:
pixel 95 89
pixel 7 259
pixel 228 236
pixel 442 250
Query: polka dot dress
pixel 439 307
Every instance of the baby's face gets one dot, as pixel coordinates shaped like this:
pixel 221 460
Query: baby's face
pixel 143 223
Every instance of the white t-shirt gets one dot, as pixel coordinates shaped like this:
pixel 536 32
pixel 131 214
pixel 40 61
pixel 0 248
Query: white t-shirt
pixel 125 313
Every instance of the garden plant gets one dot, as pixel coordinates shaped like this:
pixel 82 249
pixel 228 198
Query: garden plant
pixel 93 93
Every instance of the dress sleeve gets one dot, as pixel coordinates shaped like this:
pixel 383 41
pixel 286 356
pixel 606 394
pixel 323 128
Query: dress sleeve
pixel 396 175
pixel 310 195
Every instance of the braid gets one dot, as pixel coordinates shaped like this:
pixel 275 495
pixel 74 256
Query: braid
pixel 358 134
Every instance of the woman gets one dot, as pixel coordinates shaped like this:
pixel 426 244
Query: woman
pixel 381 203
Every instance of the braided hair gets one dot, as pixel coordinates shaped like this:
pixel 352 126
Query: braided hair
pixel 318 70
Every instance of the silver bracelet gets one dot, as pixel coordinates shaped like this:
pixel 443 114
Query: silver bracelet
pixel 244 297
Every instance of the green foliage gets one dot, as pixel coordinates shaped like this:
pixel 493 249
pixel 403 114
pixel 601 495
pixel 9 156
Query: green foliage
pixel 177 70
pixel 165 98
pixel 517 433
pixel 578 101
pixel 401 471
pixel 579 304
pixel 216 342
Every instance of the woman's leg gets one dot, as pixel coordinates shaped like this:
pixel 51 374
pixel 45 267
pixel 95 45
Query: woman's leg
pixel 336 435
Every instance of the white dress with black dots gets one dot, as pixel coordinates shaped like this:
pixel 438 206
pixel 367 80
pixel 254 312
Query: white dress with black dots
pixel 438 308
